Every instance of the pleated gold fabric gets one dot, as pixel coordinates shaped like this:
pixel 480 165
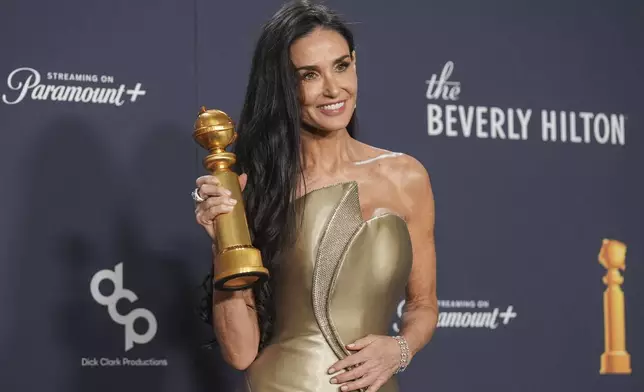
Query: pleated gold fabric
pixel 341 281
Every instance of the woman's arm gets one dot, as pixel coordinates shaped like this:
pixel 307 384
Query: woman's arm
pixel 420 314
pixel 236 326
pixel 376 358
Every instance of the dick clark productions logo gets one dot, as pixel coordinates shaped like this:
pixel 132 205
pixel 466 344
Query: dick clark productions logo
pixel 127 320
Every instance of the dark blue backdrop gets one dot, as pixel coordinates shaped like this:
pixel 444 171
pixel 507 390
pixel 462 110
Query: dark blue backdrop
pixel 520 219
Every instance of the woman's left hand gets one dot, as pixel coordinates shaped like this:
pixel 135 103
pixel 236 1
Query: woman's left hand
pixel 376 358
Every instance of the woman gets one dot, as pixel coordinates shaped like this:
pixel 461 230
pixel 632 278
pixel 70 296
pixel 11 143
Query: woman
pixel 344 228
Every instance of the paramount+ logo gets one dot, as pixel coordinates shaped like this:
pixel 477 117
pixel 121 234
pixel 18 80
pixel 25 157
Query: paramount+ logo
pixel 110 301
pixel 27 83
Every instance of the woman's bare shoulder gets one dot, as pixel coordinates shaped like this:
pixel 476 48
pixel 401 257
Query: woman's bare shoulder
pixel 396 167
pixel 401 168
pixel 410 178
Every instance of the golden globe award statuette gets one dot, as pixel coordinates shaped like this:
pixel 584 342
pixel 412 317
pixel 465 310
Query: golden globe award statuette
pixel 615 359
pixel 238 264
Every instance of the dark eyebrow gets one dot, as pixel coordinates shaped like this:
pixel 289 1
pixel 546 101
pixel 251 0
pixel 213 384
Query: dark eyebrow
pixel 315 68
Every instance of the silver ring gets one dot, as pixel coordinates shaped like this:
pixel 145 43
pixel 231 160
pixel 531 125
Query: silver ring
pixel 196 197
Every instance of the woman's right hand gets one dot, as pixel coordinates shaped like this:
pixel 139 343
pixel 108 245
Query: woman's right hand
pixel 218 201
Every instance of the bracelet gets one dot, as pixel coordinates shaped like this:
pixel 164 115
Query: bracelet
pixel 404 354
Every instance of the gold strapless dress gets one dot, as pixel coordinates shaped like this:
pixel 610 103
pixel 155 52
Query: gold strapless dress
pixel 340 282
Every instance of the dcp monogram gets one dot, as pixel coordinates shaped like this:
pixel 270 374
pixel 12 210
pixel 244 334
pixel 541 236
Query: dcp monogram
pixel 116 276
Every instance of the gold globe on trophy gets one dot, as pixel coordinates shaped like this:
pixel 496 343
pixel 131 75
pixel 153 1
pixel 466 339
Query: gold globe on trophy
pixel 238 265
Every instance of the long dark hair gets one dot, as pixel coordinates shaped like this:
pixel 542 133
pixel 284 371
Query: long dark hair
pixel 268 144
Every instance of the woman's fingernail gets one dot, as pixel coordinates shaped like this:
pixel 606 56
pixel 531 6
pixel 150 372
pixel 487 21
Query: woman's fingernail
pixel 232 201
pixel 351 345
pixel 228 208
pixel 344 388
pixel 228 192
pixel 331 371
pixel 334 381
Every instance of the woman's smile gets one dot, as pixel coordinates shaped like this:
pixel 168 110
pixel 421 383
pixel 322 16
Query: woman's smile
pixel 333 109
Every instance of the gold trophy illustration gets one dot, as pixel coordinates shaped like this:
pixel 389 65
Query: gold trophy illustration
pixel 615 359
pixel 238 264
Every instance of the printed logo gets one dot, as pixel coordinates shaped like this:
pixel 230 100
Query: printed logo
pixel 443 88
pixel 27 82
pixel 127 320
pixel 513 124
pixel 467 314
pixel 615 359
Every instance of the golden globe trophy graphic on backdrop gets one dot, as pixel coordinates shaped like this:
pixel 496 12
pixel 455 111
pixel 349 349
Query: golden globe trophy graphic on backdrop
pixel 238 264
pixel 615 359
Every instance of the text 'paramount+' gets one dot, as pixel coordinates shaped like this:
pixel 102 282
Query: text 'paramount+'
pixel 467 314
pixel 27 82
pixel 489 122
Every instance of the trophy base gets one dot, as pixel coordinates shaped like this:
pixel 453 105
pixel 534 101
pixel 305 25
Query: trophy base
pixel 239 269
pixel 615 362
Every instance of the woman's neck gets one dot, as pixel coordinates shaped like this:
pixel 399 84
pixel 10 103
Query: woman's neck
pixel 325 153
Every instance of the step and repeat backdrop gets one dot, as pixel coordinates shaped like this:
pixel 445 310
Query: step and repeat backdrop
pixel 527 116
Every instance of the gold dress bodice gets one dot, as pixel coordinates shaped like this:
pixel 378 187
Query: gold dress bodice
pixel 340 282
